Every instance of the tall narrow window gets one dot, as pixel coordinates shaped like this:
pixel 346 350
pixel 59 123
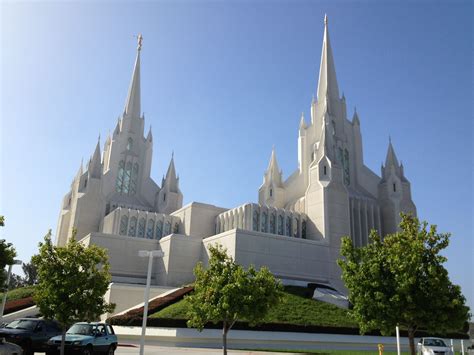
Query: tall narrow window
pixel 141 228
pixel 123 225
pixel 129 143
pixel 280 225
pixel 272 223
pixel 120 172
pixel 159 230
pixel 394 188
pixel 264 222
pixel 296 230
pixel 150 229
pixel 126 178
pixel 176 228
pixel 271 192
pixel 255 220
pixel 288 226
pixel 167 228
pixel 325 170
pixel 132 228
pixel 347 175
pixel 134 179
pixel 303 229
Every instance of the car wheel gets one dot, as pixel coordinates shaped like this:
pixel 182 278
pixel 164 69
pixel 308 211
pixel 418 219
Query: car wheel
pixel 111 350
pixel 87 350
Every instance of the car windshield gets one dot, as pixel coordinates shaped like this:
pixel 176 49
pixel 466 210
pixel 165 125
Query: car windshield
pixel 434 342
pixel 22 324
pixel 81 329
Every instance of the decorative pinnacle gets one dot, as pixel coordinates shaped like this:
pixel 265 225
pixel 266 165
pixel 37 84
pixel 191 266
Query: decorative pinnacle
pixel 139 40
pixel 326 19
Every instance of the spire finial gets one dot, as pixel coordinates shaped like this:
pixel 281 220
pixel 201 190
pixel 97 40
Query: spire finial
pixel 355 109
pixel 325 19
pixel 139 41
pixel 172 154
pixel 390 139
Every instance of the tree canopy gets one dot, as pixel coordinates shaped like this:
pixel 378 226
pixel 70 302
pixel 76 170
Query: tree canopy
pixel 401 280
pixel 227 292
pixel 7 255
pixel 72 281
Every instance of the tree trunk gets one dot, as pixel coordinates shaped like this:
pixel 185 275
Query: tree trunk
pixel 411 340
pixel 224 338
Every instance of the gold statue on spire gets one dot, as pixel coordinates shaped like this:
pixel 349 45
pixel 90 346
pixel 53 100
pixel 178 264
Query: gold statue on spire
pixel 140 39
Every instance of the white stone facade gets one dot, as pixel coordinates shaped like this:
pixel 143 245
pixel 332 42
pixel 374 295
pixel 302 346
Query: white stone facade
pixel 295 229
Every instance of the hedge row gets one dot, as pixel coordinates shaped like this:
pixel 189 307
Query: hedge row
pixel 272 327
pixel 136 314
pixel 17 305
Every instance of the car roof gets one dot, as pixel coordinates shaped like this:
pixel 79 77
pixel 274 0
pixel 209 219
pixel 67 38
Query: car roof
pixel 91 323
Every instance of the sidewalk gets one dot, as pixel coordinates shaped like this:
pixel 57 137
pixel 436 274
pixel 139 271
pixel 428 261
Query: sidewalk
pixel 153 349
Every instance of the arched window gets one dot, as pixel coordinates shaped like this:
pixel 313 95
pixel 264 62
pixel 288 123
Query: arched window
pixel 120 172
pixel 296 230
pixel 132 228
pixel 129 143
pixel 288 226
pixel 167 228
pixel 280 225
pixel 255 220
pixel 126 178
pixel 150 229
pixel 141 228
pixel 394 188
pixel 134 179
pixel 264 222
pixel 271 192
pixel 303 229
pixel 176 228
pixel 159 230
pixel 272 223
pixel 123 225
pixel 325 170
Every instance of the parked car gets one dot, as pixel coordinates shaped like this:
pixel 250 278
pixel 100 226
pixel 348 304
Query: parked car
pixel 7 348
pixel 433 346
pixel 86 339
pixel 31 334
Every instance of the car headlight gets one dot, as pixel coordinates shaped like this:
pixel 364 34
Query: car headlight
pixel 77 342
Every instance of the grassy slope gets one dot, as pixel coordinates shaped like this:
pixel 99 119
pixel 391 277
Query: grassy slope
pixel 19 293
pixel 295 308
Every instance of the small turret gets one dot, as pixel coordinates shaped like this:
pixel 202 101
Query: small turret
pixel 302 128
pixel 271 192
pixel 170 197
pixel 95 165
pixel 355 118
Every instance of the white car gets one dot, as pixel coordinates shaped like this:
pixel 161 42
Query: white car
pixel 433 346
pixel 7 348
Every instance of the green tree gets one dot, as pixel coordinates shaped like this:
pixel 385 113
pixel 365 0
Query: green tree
pixel 31 273
pixel 226 292
pixel 401 280
pixel 7 254
pixel 72 281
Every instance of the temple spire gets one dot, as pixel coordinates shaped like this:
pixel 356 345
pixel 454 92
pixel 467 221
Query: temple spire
pixel 391 159
pixel 327 84
pixel 132 104
pixel 95 165
pixel 171 180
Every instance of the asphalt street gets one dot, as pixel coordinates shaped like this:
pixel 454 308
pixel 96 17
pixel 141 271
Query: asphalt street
pixel 152 350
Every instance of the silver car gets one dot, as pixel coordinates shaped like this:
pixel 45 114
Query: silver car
pixel 7 348
pixel 433 346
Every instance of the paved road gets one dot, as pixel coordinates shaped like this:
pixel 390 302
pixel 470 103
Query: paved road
pixel 158 350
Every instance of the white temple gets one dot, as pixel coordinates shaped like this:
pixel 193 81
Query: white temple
pixel 295 229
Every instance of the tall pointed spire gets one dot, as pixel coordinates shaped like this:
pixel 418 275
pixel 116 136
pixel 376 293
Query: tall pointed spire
pixel 327 84
pixel 273 172
pixel 95 164
pixel 171 181
pixel 132 104
pixel 391 159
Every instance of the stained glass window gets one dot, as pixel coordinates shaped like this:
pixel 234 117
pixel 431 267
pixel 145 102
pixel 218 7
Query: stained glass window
pixel 347 175
pixel 150 229
pixel 296 230
pixel 141 228
pixel 272 223
pixel 264 222
pixel 167 228
pixel 159 230
pixel 129 143
pixel 123 225
pixel 255 220
pixel 132 228
pixel 280 225
pixel 126 178
pixel 303 229
pixel 176 228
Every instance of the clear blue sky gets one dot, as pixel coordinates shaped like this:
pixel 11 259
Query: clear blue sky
pixel 224 81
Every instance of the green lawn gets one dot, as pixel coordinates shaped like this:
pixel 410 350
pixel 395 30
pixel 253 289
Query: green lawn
pixel 295 308
pixel 19 293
